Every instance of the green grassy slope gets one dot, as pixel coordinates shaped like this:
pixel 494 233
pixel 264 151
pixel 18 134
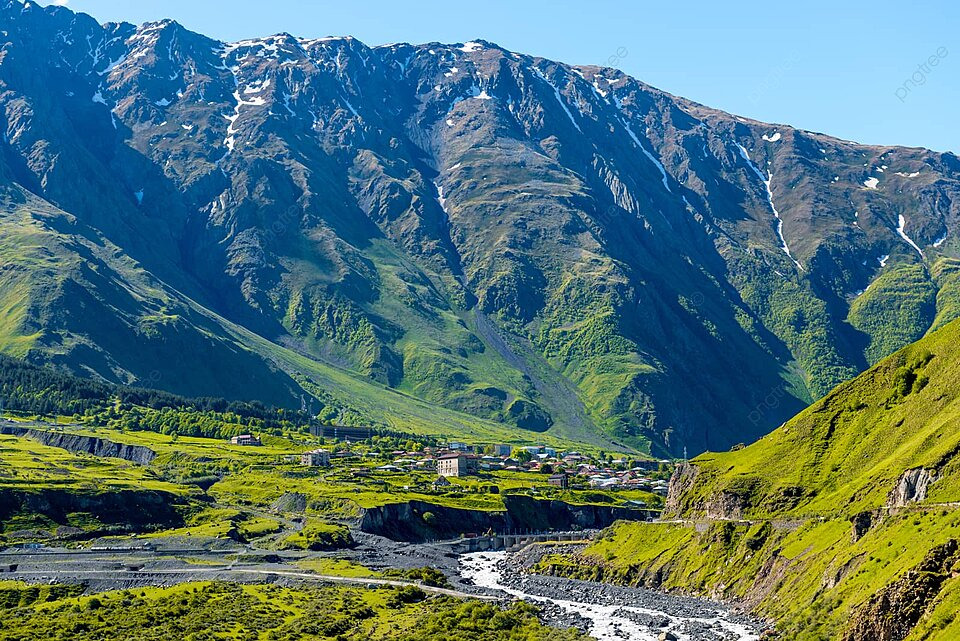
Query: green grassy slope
pixel 72 298
pixel 805 526
pixel 845 453
pixel 232 611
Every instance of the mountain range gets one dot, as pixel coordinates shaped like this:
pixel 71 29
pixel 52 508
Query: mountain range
pixel 446 237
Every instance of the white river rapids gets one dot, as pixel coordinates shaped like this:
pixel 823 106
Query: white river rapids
pixel 616 622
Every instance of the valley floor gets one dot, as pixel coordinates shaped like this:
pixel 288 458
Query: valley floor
pixel 110 567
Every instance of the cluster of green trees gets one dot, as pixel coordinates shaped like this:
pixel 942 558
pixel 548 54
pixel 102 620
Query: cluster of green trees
pixel 33 390
pixel 387 443
pixel 189 422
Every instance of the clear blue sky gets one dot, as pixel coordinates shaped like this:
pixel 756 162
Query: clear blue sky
pixel 830 66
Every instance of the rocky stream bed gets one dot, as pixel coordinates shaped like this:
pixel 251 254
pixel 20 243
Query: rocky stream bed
pixel 607 612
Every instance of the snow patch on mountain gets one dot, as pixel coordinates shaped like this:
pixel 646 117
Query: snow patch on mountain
pixel 556 93
pixel 901 227
pixel 257 87
pixel 350 106
pixel 766 183
pixel 651 157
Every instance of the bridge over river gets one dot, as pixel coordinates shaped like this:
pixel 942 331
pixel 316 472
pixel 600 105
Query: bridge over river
pixel 513 542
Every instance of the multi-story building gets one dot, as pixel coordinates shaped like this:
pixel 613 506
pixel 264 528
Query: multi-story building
pixel 315 458
pixel 452 465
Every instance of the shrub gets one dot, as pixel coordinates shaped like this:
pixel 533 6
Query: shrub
pixel 406 594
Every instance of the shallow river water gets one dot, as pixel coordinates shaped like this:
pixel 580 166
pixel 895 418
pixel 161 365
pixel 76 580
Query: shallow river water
pixel 611 622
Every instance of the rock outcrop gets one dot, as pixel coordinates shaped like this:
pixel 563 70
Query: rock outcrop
pixel 911 487
pixel 681 480
pixel 861 522
pixel 726 506
pixel 121 511
pixel 81 444
pixel 421 521
pixel 892 613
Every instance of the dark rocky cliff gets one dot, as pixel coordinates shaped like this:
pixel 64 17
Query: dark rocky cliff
pixel 421 521
pixel 891 613
pixel 84 444
pixel 120 511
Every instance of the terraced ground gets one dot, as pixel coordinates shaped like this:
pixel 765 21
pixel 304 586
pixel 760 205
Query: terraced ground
pixel 209 487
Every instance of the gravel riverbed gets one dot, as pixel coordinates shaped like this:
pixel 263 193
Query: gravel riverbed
pixel 608 612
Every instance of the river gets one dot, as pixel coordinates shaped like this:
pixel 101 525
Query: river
pixel 625 620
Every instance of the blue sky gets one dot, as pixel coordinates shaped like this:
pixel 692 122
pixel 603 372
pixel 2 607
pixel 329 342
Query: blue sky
pixel 836 67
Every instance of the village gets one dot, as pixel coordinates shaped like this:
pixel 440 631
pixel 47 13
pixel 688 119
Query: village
pixel 454 462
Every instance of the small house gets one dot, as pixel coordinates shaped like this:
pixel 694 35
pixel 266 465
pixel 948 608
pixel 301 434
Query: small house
pixel 502 450
pixel 246 439
pixel 441 482
pixel 559 480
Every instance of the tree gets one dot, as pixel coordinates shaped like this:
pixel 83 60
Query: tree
pixel 522 455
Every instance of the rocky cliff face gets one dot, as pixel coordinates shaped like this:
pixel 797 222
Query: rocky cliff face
pixel 421 521
pixel 911 487
pixel 116 512
pixel 562 248
pixel 682 479
pixel 84 444
pixel 892 613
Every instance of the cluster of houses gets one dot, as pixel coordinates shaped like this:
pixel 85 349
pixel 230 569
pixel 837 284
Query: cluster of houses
pixel 459 459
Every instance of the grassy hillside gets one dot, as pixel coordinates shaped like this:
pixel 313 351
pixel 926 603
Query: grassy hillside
pixel 842 524
pixel 230 611
pixel 844 454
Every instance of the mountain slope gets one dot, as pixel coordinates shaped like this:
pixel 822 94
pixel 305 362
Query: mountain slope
pixel 847 453
pixel 841 524
pixel 561 249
